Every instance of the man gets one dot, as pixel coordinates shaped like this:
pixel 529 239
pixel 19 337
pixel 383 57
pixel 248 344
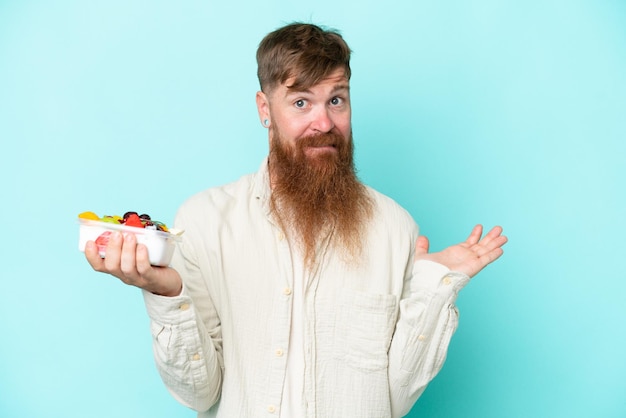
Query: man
pixel 297 291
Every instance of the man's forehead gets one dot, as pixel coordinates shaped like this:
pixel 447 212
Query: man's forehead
pixel 335 81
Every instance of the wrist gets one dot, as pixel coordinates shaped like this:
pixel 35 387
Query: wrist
pixel 169 292
pixel 169 285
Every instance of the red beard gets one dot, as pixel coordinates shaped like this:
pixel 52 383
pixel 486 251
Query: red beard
pixel 317 192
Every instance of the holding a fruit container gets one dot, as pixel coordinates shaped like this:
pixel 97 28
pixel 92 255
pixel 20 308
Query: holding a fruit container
pixel 155 235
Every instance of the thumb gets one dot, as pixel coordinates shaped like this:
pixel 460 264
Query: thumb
pixel 421 246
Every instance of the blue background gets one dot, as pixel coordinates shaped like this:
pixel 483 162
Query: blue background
pixel 498 112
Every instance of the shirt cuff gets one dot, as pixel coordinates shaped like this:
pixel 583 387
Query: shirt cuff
pixel 429 275
pixel 168 309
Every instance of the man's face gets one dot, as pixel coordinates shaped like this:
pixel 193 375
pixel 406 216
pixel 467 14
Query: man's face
pixel 314 185
pixel 323 108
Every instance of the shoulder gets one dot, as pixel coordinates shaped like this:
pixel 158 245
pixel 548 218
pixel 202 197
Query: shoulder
pixel 391 220
pixel 388 210
pixel 217 199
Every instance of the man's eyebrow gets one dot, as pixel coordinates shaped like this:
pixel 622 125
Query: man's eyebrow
pixel 341 86
pixel 336 88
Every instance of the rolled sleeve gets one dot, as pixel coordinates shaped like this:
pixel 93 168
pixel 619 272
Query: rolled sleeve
pixel 428 319
pixel 189 365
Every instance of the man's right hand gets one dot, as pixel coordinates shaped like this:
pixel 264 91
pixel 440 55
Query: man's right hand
pixel 128 261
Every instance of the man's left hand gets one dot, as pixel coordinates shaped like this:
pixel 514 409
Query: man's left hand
pixel 468 257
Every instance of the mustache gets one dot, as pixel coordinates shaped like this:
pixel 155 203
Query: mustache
pixel 323 139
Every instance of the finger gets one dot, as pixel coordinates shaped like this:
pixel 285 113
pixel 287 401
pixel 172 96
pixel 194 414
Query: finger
pixel 484 247
pixel 143 260
pixel 474 237
pixel 128 264
pixel 493 236
pixel 421 246
pixel 93 257
pixel 490 256
pixel 495 232
pixel 113 253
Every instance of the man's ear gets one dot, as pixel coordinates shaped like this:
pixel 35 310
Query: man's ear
pixel 263 107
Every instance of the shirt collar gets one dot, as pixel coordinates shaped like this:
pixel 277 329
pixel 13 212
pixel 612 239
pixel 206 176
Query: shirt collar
pixel 261 185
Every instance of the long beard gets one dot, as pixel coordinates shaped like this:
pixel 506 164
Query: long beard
pixel 313 196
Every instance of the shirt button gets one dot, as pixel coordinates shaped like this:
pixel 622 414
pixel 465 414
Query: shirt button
pixel 447 280
pixel 421 337
pixel 196 357
pixel 279 352
pixel 287 291
pixel 281 236
pixel 184 306
pixel 271 409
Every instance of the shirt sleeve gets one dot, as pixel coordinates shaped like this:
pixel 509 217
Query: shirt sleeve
pixel 186 357
pixel 428 317
pixel 186 329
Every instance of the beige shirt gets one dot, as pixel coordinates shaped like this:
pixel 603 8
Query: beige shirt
pixel 374 333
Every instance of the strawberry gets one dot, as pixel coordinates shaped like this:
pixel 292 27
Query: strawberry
pixel 133 220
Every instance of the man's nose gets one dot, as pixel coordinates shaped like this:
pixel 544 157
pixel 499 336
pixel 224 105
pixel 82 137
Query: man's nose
pixel 322 121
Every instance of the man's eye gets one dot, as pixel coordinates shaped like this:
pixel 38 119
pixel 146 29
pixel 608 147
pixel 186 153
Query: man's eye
pixel 300 103
pixel 335 101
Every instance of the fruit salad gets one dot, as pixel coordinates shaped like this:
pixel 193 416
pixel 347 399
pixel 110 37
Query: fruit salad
pixel 129 219
pixel 155 235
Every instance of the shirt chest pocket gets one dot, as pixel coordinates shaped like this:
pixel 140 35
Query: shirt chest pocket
pixel 364 326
